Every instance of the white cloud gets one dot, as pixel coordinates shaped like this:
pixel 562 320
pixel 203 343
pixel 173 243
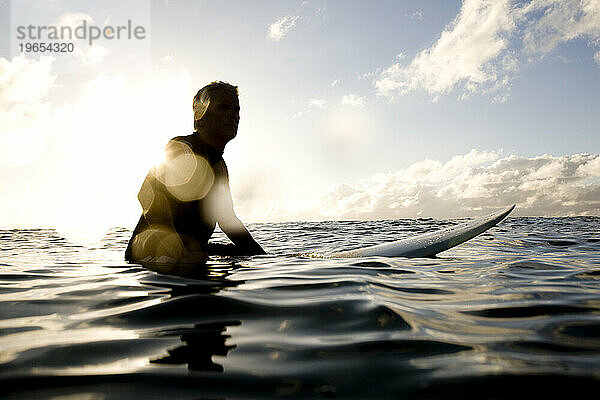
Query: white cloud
pixel 25 115
pixel 92 55
pixel 73 19
pixel 280 28
pixel 474 183
pixel 353 100
pixel 418 15
pixel 334 83
pixel 481 50
pixel 309 106
pixel 463 53
pixel 88 55
pixel 561 21
pixel 317 102
pixel 24 80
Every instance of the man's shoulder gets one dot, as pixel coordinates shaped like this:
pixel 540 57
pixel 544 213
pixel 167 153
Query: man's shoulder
pixel 178 140
pixel 193 144
pixel 181 144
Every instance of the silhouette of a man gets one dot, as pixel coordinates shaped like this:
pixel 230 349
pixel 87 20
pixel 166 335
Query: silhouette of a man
pixel 186 196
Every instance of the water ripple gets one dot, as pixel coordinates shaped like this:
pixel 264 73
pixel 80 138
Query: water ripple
pixel 519 305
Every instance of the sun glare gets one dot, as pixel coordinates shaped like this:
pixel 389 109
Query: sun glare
pixel 105 157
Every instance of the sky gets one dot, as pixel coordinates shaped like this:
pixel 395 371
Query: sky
pixel 349 109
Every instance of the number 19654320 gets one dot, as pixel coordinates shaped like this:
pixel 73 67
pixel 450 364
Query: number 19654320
pixel 46 47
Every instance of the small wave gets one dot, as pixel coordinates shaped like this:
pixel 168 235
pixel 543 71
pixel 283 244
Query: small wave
pixel 516 306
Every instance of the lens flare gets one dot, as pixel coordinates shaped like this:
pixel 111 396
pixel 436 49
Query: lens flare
pixel 155 242
pixel 187 177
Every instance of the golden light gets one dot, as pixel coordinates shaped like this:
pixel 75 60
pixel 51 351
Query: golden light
pixel 188 177
pixel 155 241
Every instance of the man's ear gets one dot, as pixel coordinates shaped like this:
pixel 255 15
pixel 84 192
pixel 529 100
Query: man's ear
pixel 199 123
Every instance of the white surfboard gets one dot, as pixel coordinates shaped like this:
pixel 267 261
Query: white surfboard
pixel 430 243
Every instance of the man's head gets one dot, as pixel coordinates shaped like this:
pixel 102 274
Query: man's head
pixel 217 112
pixel 204 95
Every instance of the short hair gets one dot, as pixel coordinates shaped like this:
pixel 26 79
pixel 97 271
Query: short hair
pixel 202 98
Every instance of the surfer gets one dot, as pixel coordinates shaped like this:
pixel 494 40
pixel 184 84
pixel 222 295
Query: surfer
pixel 188 194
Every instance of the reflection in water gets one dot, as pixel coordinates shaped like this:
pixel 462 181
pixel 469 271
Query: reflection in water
pixel 188 270
pixel 200 344
pixel 205 339
pixel 215 273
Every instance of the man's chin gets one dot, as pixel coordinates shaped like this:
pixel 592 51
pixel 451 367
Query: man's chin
pixel 229 135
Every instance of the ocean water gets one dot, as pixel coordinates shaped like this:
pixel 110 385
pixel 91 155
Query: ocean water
pixel 513 313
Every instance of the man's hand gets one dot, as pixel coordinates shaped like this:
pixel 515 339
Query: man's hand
pixel 239 235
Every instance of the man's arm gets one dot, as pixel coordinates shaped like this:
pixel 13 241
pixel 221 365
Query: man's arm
pixel 239 235
pixel 234 228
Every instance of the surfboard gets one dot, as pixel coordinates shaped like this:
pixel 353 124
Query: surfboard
pixel 430 243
